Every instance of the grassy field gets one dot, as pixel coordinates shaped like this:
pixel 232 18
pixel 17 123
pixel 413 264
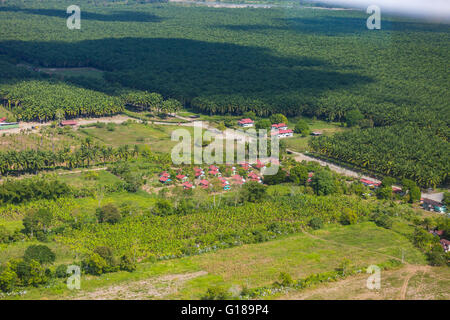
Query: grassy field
pixel 429 283
pixel 299 143
pixel 252 265
pixel 89 178
pixel 157 136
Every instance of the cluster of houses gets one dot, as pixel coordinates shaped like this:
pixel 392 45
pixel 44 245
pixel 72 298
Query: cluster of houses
pixel 427 204
pixel 281 129
pixel 444 242
pixel 201 177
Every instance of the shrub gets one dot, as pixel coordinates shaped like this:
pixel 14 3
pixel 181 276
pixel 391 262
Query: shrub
pixel 253 191
pixel 323 183
pixel 109 213
pixel 216 293
pixel 39 253
pixel 316 223
pixel 302 128
pixel 348 216
pixel 285 279
pixel 127 263
pixel 61 271
pixel 94 264
pixel 8 278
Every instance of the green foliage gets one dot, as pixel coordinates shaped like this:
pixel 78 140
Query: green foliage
pixel 127 263
pixel 216 293
pixel 302 127
pixel 278 118
pixel 94 264
pixel 109 213
pixel 392 151
pixel 384 193
pixel 299 175
pixel 39 253
pixel 277 178
pixel 316 223
pixel 323 183
pixel 39 100
pixel 348 216
pixel 353 117
pixel 23 190
pixel 37 221
pixel 61 271
pixel 263 124
pixel 163 207
pixel 446 199
pixel 252 191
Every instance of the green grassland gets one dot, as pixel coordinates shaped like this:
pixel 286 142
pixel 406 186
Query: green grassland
pixel 257 265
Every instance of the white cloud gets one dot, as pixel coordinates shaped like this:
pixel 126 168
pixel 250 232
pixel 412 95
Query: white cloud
pixel 438 10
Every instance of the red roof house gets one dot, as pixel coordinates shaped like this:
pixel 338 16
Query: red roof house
pixel 246 122
pixel 279 126
pixel 68 123
pixel 181 176
pixel 187 185
pixel 204 184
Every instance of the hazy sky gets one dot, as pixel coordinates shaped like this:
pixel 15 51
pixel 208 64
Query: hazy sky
pixel 438 10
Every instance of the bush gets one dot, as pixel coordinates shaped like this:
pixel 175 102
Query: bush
pixel 108 254
pixel 94 264
pixel 253 191
pixel 384 221
pixel 348 216
pixel 61 271
pixel 127 263
pixel 302 128
pixel 353 117
pixel 8 279
pixel 436 257
pixel 39 253
pixel 109 213
pixel 323 183
pixel 216 293
pixel 285 280
pixel 316 223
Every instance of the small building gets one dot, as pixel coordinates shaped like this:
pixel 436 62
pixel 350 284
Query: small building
pixel 432 205
pixel 245 165
pixel 445 245
pixel 187 185
pixel 246 123
pixel 181 177
pixel 204 184
pixel 237 179
pixel 283 133
pixel 316 133
pixel 3 119
pixel 164 179
pixel 370 183
pixel 279 126
pixel 65 123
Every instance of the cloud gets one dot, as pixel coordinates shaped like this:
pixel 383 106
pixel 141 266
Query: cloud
pixel 435 10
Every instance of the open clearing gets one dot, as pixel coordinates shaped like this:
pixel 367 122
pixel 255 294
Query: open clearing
pixel 425 283
pixel 252 265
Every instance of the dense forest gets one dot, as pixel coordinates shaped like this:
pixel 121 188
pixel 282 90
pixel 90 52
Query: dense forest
pixel 400 151
pixel 297 61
